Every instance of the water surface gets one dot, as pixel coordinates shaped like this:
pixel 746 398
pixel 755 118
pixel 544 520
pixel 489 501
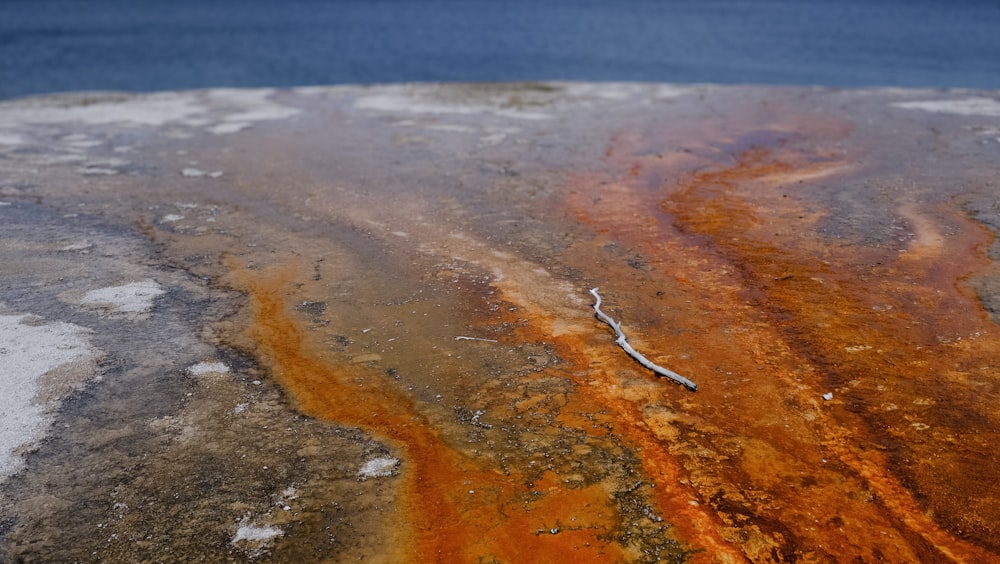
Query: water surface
pixel 70 45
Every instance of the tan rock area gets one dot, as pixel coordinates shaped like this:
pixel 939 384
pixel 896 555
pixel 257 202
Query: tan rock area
pixel 355 324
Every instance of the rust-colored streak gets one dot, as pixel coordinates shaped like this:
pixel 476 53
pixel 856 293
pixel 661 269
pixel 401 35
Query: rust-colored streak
pixel 322 391
pixel 771 314
pixel 751 263
pixel 602 391
pixel 693 522
pixel 858 316
pixel 420 281
pixel 454 508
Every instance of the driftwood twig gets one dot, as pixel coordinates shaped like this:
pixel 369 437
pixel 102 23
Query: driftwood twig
pixel 623 343
pixel 464 338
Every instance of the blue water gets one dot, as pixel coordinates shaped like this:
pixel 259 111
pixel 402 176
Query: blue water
pixel 141 45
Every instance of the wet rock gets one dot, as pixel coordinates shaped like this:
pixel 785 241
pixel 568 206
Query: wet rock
pixel 352 323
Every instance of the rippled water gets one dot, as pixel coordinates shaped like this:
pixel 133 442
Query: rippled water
pixel 66 45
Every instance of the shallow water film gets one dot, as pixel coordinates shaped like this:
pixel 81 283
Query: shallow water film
pixel 355 324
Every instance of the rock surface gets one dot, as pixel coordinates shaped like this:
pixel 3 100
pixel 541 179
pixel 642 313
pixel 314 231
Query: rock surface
pixel 354 323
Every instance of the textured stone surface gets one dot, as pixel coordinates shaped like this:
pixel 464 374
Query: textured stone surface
pixel 353 323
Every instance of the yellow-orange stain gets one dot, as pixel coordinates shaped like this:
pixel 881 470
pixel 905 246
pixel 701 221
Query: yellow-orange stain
pixel 775 314
pixel 694 523
pixel 445 519
pixel 718 265
pixel 839 331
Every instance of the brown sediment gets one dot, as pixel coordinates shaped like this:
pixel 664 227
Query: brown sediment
pixel 755 465
pixel 428 295
pixel 325 391
pixel 601 390
pixel 729 278
pixel 727 264
pixel 839 334
pixel 793 314
pixel 455 509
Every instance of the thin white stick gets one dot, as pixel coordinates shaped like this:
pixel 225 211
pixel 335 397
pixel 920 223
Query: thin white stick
pixel 623 343
pixel 464 338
